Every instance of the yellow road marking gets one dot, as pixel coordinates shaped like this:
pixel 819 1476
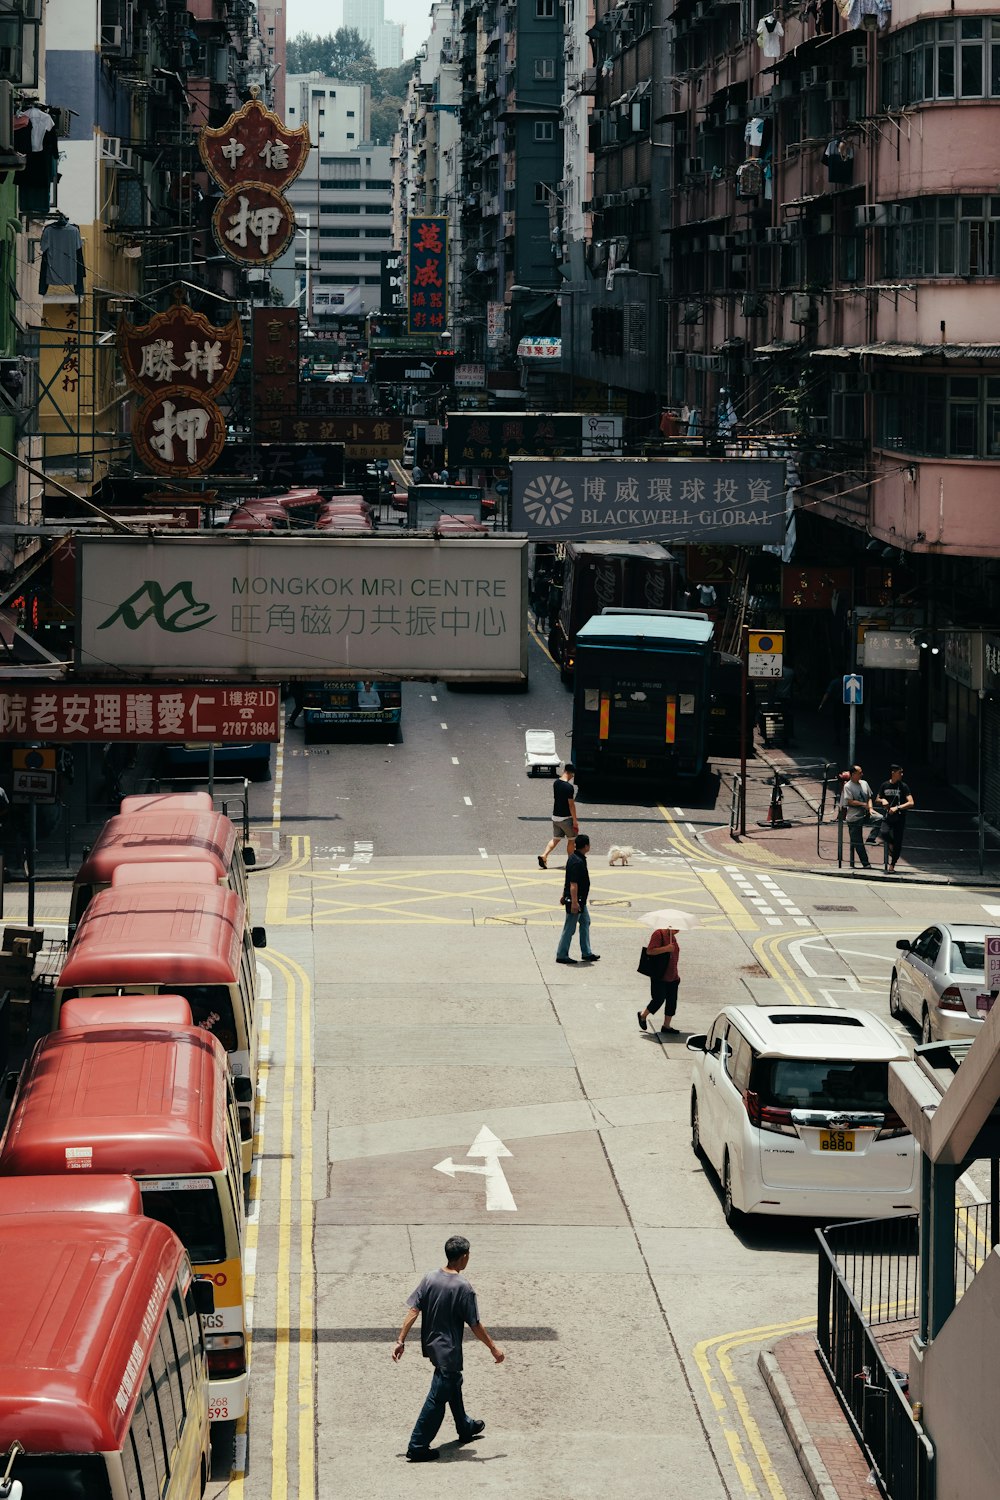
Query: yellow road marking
pixel 721 1347
pixel 769 956
pixel 282 1311
pixel 719 887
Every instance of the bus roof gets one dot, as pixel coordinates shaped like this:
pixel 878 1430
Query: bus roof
pixel 149 802
pixel 656 629
pixel 125 1010
pixel 136 1099
pixel 134 837
pixel 156 872
pixel 171 934
pixel 97 1193
pixel 79 1291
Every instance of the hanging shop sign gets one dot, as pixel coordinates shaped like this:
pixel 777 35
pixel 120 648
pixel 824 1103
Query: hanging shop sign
pixel 539 346
pixel 79 712
pixel 813 588
pixel 666 500
pixel 179 432
pixel 253 225
pixel 284 465
pixel 427 274
pixel 492 437
pixel 254 146
pixel 180 348
pixel 275 361
pixel 365 438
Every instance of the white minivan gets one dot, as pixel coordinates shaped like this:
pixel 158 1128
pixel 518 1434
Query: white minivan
pixel 790 1105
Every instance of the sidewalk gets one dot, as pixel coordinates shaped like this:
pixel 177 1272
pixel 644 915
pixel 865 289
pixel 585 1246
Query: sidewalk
pixel 941 845
pixel 831 1457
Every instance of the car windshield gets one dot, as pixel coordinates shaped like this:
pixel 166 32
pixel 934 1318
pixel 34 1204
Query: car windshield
pixel 816 1083
pixel 968 955
pixel 63 1476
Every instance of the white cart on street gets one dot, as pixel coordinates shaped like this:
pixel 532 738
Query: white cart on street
pixel 540 752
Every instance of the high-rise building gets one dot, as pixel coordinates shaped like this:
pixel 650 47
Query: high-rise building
pixel 272 18
pixel 385 38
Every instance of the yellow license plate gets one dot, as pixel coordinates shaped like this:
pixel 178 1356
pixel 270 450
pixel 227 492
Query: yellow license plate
pixel 836 1140
pixel 636 765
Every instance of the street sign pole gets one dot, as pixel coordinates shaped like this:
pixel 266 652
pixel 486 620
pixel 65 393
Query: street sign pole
pixel 744 661
pixel 32 846
pixel 852 732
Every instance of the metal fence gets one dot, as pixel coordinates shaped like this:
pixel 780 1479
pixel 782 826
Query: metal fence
pixel 871 1268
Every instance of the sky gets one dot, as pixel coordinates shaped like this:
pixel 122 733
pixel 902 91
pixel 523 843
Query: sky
pixel 320 17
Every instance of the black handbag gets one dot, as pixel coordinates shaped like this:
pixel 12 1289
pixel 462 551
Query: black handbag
pixel 650 964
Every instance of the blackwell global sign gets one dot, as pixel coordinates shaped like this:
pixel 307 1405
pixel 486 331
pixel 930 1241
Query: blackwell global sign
pixel 653 499
pixel 272 607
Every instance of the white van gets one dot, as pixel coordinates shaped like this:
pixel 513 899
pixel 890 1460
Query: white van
pixel 790 1105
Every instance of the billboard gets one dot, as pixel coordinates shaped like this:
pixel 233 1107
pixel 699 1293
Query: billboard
pixel 668 500
pixel 79 712
pixel 267 607
pixel 429 369
pixel 427 274
pixel 493 437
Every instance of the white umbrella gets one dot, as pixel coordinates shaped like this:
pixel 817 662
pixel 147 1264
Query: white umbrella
pixel 680 921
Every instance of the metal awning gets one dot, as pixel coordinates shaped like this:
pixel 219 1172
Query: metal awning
pixel 909 351
pixel 780 346
pixel 699 224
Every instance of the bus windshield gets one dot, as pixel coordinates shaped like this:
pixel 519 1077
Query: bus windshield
pixel 62 1476
pixel 190 1207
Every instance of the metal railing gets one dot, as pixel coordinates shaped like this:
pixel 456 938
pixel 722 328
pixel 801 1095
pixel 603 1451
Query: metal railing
pixel 864 1269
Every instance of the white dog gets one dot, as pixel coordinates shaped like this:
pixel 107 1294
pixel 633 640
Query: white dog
pixel 620 854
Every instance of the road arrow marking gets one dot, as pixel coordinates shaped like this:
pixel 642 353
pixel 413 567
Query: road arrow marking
pixel 491 1148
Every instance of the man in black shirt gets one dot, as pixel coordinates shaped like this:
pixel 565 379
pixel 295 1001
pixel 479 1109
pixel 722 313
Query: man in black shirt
pixel 564 824
pixel 895 796
pixel 576 889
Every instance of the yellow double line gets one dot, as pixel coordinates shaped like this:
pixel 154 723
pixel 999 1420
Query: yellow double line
pixel 739 1427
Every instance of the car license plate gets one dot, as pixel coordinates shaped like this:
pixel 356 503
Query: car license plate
pixel 836 1140
pixel 635 765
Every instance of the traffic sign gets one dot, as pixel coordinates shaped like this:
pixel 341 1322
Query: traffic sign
pixel 34 758
pixel 33 786
pixel 854 688
pixel 765 649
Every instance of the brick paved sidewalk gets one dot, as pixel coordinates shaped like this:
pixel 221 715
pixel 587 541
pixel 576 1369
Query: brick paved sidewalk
pixel 832 1459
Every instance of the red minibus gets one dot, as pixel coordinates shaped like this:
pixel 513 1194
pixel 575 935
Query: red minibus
pixel 125 1010
pixel 148 802
pixel 155 1102
pixel 103 1370
pixel 182 940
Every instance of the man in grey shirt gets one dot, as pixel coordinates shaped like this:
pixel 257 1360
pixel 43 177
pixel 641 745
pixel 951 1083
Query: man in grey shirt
pixel 445 1302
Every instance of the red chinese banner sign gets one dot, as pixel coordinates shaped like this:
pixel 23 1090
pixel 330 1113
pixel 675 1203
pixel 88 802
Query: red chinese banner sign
pixel 275 361
pixel 73 713
pixel 427 275
pixel 254 146
pixel 181 348
pixel 179 432
pixel 363 437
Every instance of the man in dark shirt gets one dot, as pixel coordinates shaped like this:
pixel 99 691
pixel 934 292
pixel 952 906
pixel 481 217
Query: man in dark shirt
pixel 564 824
pixel 445 1302
pixel 576 889
pixel 895 796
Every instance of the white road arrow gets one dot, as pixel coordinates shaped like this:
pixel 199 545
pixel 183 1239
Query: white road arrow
pixel 491 1148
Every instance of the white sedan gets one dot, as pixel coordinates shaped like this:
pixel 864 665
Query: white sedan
pixel 937 980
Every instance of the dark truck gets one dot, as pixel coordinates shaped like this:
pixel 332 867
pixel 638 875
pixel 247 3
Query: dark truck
pixel 607 575
pixel 644 698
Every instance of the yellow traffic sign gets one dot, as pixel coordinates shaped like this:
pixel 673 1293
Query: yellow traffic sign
pixel 34 758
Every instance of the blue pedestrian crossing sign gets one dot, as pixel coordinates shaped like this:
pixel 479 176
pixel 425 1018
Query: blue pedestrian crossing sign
pixel 854 688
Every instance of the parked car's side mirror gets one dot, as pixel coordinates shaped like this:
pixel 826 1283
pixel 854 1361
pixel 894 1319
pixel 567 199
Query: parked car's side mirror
pixel 697 1043
pixel 904 944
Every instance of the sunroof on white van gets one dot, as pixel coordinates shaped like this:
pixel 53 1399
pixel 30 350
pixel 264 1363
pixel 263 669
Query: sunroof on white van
pixel 813 1018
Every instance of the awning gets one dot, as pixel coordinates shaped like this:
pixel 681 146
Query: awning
pixel 693 224
pixel 909 351
pixel 780 346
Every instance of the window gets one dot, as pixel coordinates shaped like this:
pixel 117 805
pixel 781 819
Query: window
pixel 350 114
pixel 193 1215
pixel 945 237
pixel 545 67
pixel 545 130
pixel 947 416
pixel 948 59
pixel 350 135
pixel 543 192
pixel 545 9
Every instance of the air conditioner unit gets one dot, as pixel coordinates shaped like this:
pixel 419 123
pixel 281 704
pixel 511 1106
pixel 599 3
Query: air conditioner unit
pixel 158 85
pixel 818 426
pixel 716 242
pixel 760 105
pixel 111 147
pixel 786 89
pixel 871 215
pixel 774 234
pixel 112 38
pixel 803 309
pixel 813 77
pixel 734 114
pixel 691 312
pixel 693 166
pixel 900 213
pixel 859 57
pixel 754 305
pixel 824 224
pixel 738 264
pixel 837 90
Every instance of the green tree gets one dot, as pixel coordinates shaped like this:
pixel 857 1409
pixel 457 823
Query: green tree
pixel 385 120
pixel 342 54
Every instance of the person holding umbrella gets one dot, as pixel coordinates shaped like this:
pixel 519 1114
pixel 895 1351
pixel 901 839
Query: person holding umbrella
pixel 659 962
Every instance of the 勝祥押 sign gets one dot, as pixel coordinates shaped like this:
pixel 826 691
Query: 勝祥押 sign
pixel 79 712
pixel 669 500
pixel 323 607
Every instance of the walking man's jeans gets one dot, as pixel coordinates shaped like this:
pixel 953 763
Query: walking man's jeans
pixel 446 1390
pixel 856 834
pixel 581 918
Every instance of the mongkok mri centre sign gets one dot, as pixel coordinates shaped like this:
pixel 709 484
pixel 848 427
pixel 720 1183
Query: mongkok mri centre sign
pixel 271 608
pixel 665 499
